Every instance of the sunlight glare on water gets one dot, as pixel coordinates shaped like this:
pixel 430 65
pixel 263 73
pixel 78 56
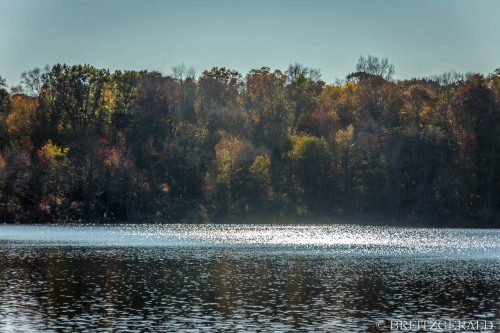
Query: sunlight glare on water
pixel 340 238
pixel 217 278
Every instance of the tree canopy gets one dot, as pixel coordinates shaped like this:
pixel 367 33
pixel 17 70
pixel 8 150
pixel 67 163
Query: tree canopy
pixel 82 144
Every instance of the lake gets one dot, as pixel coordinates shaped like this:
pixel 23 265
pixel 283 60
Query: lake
pixel 216 278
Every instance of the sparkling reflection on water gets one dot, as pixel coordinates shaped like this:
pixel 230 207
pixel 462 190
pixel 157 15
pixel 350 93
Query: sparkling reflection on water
pixel 243 278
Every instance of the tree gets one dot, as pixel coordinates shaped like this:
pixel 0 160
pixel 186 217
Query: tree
pixel 185 157
pixel 33 80
pixel 181 72
pixel 55 179
pixel 219 100
pixel 18 199
pixel 73 111
pixel 21 120
pixel 226 181
pixel 373 66
pixel 3 178
pixel 267 110
pixel 260 190
pixel 420 108
pixel 302 91
pixel 344 140
pixel 123 91
pixel 478 125
pixel 5 108
pixel 296 70
pixel 153 120
pixel 77 142
pixel 115 180
pixel 311 160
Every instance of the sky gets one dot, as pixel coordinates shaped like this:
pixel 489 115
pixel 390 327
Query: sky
pixel 421 38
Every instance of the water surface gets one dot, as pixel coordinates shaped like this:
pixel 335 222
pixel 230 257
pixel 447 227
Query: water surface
pixel 244 278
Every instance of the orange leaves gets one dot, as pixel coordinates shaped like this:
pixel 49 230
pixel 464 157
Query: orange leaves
pixel 19 121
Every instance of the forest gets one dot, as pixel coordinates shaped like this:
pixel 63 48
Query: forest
pixel 79 144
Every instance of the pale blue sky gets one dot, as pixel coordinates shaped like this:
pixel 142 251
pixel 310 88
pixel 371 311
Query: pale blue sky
pixel 420 38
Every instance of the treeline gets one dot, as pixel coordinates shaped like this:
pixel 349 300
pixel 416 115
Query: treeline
pixel 81 144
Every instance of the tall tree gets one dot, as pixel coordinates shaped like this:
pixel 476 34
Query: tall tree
pixel 372 65
pixel 268 113
pixel 219 91
pixel 478 119
pixel 302 91
pixel 5 106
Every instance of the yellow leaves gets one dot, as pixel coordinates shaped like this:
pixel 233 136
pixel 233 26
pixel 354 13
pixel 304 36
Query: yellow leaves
pixel 306 147
pixel 230 153
pixel 109 97
pixel 331 92
pixel 52 155
pixel 260 168
pixel 338 92
pixel 19 119
pixel 164 188
pixel 428 115
pixel 227 152
pixel 344 137
pixel 420 94
pixel 232 150
pixel 350 87
pixel 340 104
pixel 260 176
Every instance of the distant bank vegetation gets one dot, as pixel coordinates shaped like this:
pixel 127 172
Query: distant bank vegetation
pixel 81 144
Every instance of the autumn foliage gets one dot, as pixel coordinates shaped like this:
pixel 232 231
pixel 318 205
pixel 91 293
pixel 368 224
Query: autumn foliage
pixel 80 144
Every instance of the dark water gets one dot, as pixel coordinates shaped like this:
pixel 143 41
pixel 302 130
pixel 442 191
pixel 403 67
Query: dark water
pixel 248 278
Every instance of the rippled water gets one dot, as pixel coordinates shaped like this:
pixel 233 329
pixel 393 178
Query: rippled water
pixel 244 278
